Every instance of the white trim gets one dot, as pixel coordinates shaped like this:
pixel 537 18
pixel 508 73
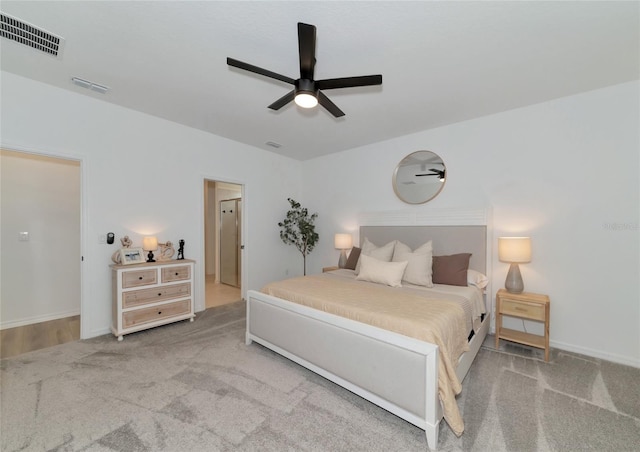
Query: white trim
pixel 38 319
pixel 592 353
pixel 426 217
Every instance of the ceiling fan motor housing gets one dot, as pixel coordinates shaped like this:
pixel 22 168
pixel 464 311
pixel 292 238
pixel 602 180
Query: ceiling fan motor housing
pixel 306 86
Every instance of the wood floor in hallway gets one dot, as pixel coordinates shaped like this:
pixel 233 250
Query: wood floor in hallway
pixel 217 294
pixel 27 338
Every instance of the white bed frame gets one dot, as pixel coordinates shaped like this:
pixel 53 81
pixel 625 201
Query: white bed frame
pixel 396 372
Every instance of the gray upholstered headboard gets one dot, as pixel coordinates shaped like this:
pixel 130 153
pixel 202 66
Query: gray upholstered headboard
pixel 446 240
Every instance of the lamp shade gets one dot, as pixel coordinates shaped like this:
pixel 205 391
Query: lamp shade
pixel 342 241
pixel 150 243
pixel 514 249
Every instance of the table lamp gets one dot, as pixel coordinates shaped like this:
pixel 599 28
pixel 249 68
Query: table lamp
pixel 514 250
pixel 150 244
pixel 342 242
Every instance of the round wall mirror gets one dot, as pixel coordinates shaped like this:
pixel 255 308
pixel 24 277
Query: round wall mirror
pixel 419 177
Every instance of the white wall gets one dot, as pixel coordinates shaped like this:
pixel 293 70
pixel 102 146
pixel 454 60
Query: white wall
pixel 144 175
pixel 564 172
pixel 40 196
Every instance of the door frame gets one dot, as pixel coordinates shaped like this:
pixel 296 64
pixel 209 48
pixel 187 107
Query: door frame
pixel 201 284
pixel 84 319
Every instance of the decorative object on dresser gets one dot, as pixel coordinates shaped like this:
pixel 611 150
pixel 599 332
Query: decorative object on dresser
pixel 342 242
pixel 130 256
pixel 126 243
pixel 419 177
pixel 151 294
pixel 180 250
pixel 514 250
pixel 166 251
pixel 329 269
pixel 150 244
pixel 526 306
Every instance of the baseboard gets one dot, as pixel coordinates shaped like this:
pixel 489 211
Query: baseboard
pixel 619 359
pixel 38 319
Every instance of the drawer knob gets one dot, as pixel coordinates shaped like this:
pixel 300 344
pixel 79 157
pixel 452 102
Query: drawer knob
pixel 160 294
pixel 176 273
pixel 140 278
pixel 159 312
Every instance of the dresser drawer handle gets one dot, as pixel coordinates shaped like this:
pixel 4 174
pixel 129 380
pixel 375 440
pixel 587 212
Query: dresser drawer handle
pixel 159 312
pixel 160 294
pixel 140 278
pixel 518 308
pixel 177 273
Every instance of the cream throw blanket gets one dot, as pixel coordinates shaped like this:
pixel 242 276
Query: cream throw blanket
pixel 437 321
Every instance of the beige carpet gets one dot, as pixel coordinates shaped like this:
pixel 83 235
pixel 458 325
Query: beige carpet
pixel 198 387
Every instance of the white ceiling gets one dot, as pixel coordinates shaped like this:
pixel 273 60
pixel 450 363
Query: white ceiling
pixel 442 62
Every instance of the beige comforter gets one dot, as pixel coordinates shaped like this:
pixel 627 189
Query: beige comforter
pixel 437 321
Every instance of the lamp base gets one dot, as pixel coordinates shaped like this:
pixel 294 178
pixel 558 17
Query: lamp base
pixel 514 283
pixel 343 259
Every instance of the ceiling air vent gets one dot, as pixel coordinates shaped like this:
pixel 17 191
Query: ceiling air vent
pixel 27 34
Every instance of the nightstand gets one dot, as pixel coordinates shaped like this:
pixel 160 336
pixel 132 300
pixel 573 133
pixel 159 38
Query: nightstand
pixel 528 306
pixel 329 269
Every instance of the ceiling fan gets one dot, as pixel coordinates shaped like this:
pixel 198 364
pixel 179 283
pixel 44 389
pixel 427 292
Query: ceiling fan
pixel 307 91
pixel 434 172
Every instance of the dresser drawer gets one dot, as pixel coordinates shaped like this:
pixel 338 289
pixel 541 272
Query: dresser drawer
pixel 153 314
pixel 146 296
pixel 532 311
pixel 181 273
pixel 138 278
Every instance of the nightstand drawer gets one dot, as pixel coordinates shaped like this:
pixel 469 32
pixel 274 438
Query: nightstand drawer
pixel 146 296
pixel 176 273
pixel 139 278
pixel 153 314
pixel 534 311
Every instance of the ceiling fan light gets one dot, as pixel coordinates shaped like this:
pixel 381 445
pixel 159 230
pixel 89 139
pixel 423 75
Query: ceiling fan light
pixel 306 100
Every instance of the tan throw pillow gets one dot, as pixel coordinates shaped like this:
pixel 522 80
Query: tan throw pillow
pixel 377 271
pixel 451 270
pixel 383 253
pixel 419 264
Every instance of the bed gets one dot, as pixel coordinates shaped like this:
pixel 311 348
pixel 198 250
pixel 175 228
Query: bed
pixel 397 372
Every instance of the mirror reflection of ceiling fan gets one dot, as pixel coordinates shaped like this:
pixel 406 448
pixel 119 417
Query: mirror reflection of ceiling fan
pixel 434 172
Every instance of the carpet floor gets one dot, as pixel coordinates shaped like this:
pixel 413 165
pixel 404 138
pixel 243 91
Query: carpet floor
pixel 198 387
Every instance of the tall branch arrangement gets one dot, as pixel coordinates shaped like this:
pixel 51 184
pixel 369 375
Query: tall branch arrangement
pixel 298 229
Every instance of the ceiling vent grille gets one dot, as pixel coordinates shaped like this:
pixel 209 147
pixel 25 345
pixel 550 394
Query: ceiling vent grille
pixel 24 33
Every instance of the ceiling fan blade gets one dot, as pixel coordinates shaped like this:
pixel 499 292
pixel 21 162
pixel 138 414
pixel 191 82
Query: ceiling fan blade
pixel 307 49
pixel 349 82
pixel 330 106
pixel 284 100
pixel 259 70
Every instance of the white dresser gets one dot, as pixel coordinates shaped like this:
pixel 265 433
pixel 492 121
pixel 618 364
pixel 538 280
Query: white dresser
pixel 151 294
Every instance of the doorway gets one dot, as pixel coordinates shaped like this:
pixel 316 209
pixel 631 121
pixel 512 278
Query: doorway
pixel 41 250
pixel 223 242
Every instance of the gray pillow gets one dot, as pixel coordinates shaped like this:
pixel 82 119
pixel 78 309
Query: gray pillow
pixel 352 260
pixel 451 270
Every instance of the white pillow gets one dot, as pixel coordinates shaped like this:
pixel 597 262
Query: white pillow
pixel 420 262
pixel 383 253
pixel 477 279
pixel 377 271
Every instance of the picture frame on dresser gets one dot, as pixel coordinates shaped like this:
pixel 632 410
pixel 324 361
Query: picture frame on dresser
pixel 130 256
